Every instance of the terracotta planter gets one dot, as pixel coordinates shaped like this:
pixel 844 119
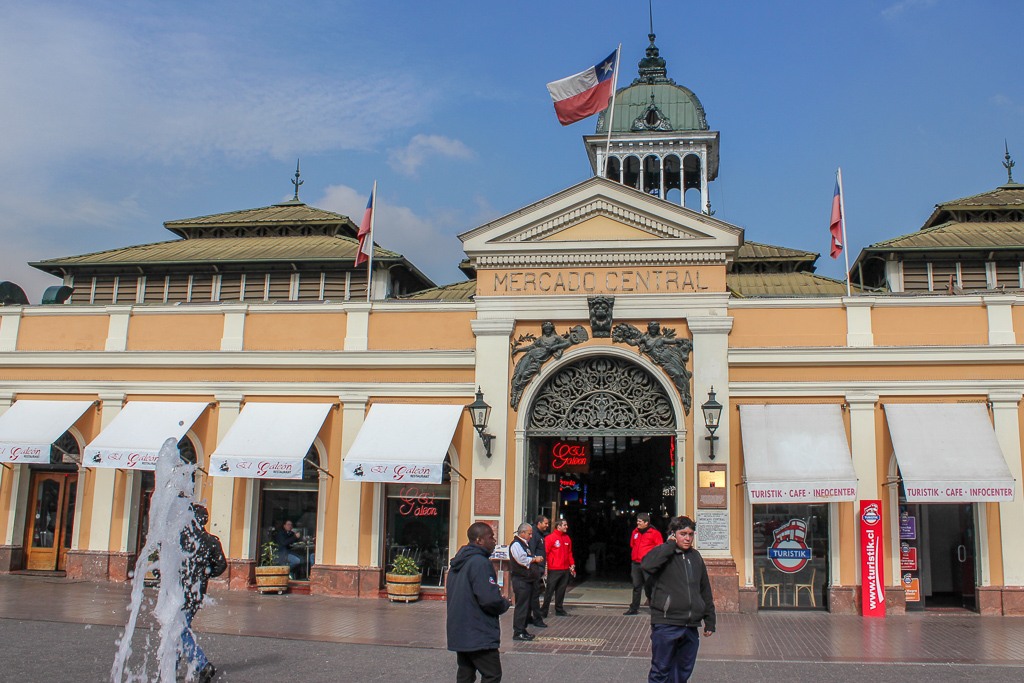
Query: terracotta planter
pixel 272 579
pixel 403 588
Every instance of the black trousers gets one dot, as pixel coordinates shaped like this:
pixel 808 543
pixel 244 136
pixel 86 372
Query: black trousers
pixel 558 581
pixel 524 590
pixel 487 662
pixel 639 584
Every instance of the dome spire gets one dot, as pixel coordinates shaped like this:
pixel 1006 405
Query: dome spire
pixel 1008 163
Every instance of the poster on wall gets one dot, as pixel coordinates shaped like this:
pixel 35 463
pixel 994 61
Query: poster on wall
pixel 908 557
pixel 908 526
pixel 912 587
pixel 871 539
pixel 712 530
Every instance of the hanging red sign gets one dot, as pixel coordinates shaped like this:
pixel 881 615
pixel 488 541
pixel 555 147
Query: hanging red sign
pixel 871 539
pixel 569 456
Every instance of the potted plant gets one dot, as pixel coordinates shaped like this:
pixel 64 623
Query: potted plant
pixel 271 576
pixel 403 581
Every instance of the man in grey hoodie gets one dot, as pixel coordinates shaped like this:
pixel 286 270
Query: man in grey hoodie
pixel 681 601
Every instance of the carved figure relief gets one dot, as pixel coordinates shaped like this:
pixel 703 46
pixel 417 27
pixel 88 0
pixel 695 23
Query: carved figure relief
pixel 671 353
pixel 601 315
pixel 537 351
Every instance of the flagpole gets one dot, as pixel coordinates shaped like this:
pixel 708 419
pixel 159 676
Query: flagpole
pixel 842 219
pixel 611 112
pixel 369 261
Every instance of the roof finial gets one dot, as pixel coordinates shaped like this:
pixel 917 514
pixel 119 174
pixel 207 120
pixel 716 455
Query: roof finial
pixel 297 182
pixel 650 8
pixel 1008 164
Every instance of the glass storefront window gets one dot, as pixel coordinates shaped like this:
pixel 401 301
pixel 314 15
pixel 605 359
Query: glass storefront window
pixel 791 548
pixel 286 500
pixel 417 525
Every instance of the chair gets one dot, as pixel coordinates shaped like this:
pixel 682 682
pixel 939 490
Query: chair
pixel 766 588
pixel 809 587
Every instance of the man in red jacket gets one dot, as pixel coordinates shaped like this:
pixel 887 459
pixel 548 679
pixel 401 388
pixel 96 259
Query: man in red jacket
pixel 644 538
pixel 558 547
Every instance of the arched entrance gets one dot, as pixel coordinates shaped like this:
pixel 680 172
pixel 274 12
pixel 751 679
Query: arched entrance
pixel 600 447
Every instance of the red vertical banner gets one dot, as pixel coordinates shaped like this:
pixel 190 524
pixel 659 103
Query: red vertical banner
pixel 871 539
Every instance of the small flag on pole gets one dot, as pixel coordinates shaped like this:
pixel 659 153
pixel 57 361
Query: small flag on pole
pixel 586 93
pixel 366 231
pixel 836 224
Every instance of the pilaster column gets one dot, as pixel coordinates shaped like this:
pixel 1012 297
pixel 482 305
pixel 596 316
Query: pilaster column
pixel 865 466
pixel 1000 320
pixel 710 369
pixel 858 321
pixel 492 371
pixel 117 328
pixel 13 504
pixel 1006 421
pixel 353 414
pixel 233 336
pixel 103 484
pixel 357 331
pixel 222 496
pixel 10 321
pixel 704 198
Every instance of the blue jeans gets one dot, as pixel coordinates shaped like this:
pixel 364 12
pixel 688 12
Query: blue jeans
pixel 190 648
pixel 673 653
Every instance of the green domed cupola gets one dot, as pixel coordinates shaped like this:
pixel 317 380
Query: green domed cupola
pixel 660 141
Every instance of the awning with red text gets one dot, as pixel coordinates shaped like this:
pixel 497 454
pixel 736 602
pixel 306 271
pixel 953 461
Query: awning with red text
pixel 796 453
pixel 133 439
pixel 403 442
pixel 29 428
pixel 269 440
pixel 948 453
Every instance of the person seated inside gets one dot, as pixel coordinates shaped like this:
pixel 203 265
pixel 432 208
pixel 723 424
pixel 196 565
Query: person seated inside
pixel 285 537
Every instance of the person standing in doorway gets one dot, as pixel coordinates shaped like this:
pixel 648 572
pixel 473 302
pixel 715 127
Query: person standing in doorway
pixel 561 565
pixel 681 600
pixel 204 560
pixel 474 604
pixel 526 573
pixel 540 531
pixel 643 539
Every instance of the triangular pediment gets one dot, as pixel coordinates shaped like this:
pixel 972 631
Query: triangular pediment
pixel 600 221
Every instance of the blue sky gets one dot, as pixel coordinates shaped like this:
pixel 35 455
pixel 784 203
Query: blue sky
pixel 118 116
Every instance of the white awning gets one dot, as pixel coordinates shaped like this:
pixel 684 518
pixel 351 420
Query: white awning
pixel 948 453
pixel 403 442
pixel 133 439
pixel 29 428
pixel 796 453
pixel 269 440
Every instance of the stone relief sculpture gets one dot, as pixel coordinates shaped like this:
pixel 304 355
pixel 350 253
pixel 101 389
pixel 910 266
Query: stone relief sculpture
pixel 664 348
pixel 601 315
pixel 537 351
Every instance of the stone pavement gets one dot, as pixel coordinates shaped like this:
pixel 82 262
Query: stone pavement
pixel 312 638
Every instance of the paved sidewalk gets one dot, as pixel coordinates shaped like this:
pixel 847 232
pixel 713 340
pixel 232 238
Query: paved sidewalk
pixel 989 647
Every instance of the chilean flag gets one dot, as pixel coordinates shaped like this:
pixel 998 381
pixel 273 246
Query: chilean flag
pixel 586 93
pixel 366 231
pixel 836 224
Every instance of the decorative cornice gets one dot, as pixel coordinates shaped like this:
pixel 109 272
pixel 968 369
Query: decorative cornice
pixel 598 207
pixel 600 260
pixel 709 324
pixel 328 390
pixel 240 359
pixel 880 355
pixel 845 389
pixel 492 327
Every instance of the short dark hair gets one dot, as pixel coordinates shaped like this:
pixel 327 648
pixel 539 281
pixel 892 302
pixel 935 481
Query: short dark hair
pixel 539 520
pixel 643 517
pixel 478 530
pixel 682 522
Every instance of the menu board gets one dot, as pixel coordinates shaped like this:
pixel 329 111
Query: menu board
pixel 910 569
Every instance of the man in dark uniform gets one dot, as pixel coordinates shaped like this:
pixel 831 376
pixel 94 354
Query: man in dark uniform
pixel 526 572
pixel 540 530
pixel 474 605
pixel 204 559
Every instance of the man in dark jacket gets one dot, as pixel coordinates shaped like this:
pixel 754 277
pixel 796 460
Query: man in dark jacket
pixel 681 600
pixel 204 559
pixel 474 605
pixel 540 531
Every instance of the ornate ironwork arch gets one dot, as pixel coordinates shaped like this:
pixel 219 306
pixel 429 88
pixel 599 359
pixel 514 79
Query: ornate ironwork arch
pixel 601 396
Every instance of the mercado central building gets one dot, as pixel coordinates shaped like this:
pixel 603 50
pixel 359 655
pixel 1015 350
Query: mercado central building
pixel 602 325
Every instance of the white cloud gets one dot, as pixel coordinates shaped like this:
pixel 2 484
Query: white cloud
pixel 76 85
pixel 1001 100
pixel 421 148
pixel 424 241
pixel 903 6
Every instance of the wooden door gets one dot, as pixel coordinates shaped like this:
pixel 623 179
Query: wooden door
pixel 50 520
